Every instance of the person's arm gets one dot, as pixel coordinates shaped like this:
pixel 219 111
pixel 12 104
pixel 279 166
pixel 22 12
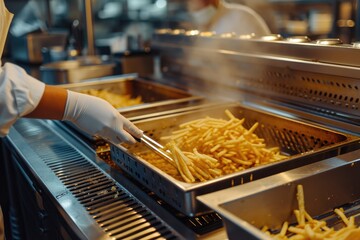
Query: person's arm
pixel 99 118
pixel 91 114
pixel 24 96
pixel 52 104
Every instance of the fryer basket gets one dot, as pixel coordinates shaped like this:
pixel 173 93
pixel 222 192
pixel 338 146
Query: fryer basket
pixel 304 143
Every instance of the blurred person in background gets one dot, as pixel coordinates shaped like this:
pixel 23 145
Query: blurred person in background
pixel 24 96
pixel 221 17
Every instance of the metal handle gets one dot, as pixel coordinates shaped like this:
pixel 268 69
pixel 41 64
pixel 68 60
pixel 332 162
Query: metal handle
pixel 157 147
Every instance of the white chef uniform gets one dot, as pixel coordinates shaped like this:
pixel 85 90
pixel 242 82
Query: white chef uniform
pixel 19 92
pixel 240 19
pixel 230 18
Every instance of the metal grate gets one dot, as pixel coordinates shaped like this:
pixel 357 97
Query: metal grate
pixel 118 213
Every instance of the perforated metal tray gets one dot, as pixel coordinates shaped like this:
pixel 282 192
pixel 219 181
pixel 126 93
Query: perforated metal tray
pixel 303 142
pixel 321 93
pixel 327 184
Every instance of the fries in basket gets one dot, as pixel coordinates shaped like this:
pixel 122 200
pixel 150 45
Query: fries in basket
pixel 207 148
pixel 115 99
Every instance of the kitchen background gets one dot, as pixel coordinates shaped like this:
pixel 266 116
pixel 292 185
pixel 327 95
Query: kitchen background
pixel 120 25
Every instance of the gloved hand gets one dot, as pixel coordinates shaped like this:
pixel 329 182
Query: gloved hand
pixel 99 118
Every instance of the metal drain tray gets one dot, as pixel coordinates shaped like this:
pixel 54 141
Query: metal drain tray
pixel 303 142
pixel 327 184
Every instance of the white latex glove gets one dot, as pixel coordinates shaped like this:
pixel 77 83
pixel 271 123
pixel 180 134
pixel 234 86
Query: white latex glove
pixel 99 118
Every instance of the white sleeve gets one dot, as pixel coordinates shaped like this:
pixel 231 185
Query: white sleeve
pixel 240 19
pixel 19 95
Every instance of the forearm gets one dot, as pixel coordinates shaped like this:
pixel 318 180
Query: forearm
pixel 24 96
pixel 52 104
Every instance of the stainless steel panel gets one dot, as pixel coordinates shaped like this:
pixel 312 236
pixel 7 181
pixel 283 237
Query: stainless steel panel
pixel 343 54
pixel 328 184
pixel 317 79
pixel 304 143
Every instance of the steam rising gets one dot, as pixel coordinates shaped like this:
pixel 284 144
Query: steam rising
pixel 211 64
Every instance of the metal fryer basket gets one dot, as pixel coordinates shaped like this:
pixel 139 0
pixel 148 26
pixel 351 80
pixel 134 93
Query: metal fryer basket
pixel 328 184
pixel 303 142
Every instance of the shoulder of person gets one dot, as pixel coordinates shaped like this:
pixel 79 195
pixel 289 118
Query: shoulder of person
pixel 236 9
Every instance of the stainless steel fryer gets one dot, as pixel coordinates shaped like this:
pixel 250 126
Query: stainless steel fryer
pixel 327 184
pixel 304 143
pixel 314 81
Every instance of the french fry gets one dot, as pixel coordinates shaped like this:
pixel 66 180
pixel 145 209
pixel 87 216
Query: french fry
pixel 300 198
pixel 284 229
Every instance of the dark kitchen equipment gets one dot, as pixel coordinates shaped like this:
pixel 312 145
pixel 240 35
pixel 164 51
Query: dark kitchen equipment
pixel 28 48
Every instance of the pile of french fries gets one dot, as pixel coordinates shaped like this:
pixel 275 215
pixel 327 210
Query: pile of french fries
pixel 115 99
pixel 207 148
pixel 194 166
pixel 308 228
